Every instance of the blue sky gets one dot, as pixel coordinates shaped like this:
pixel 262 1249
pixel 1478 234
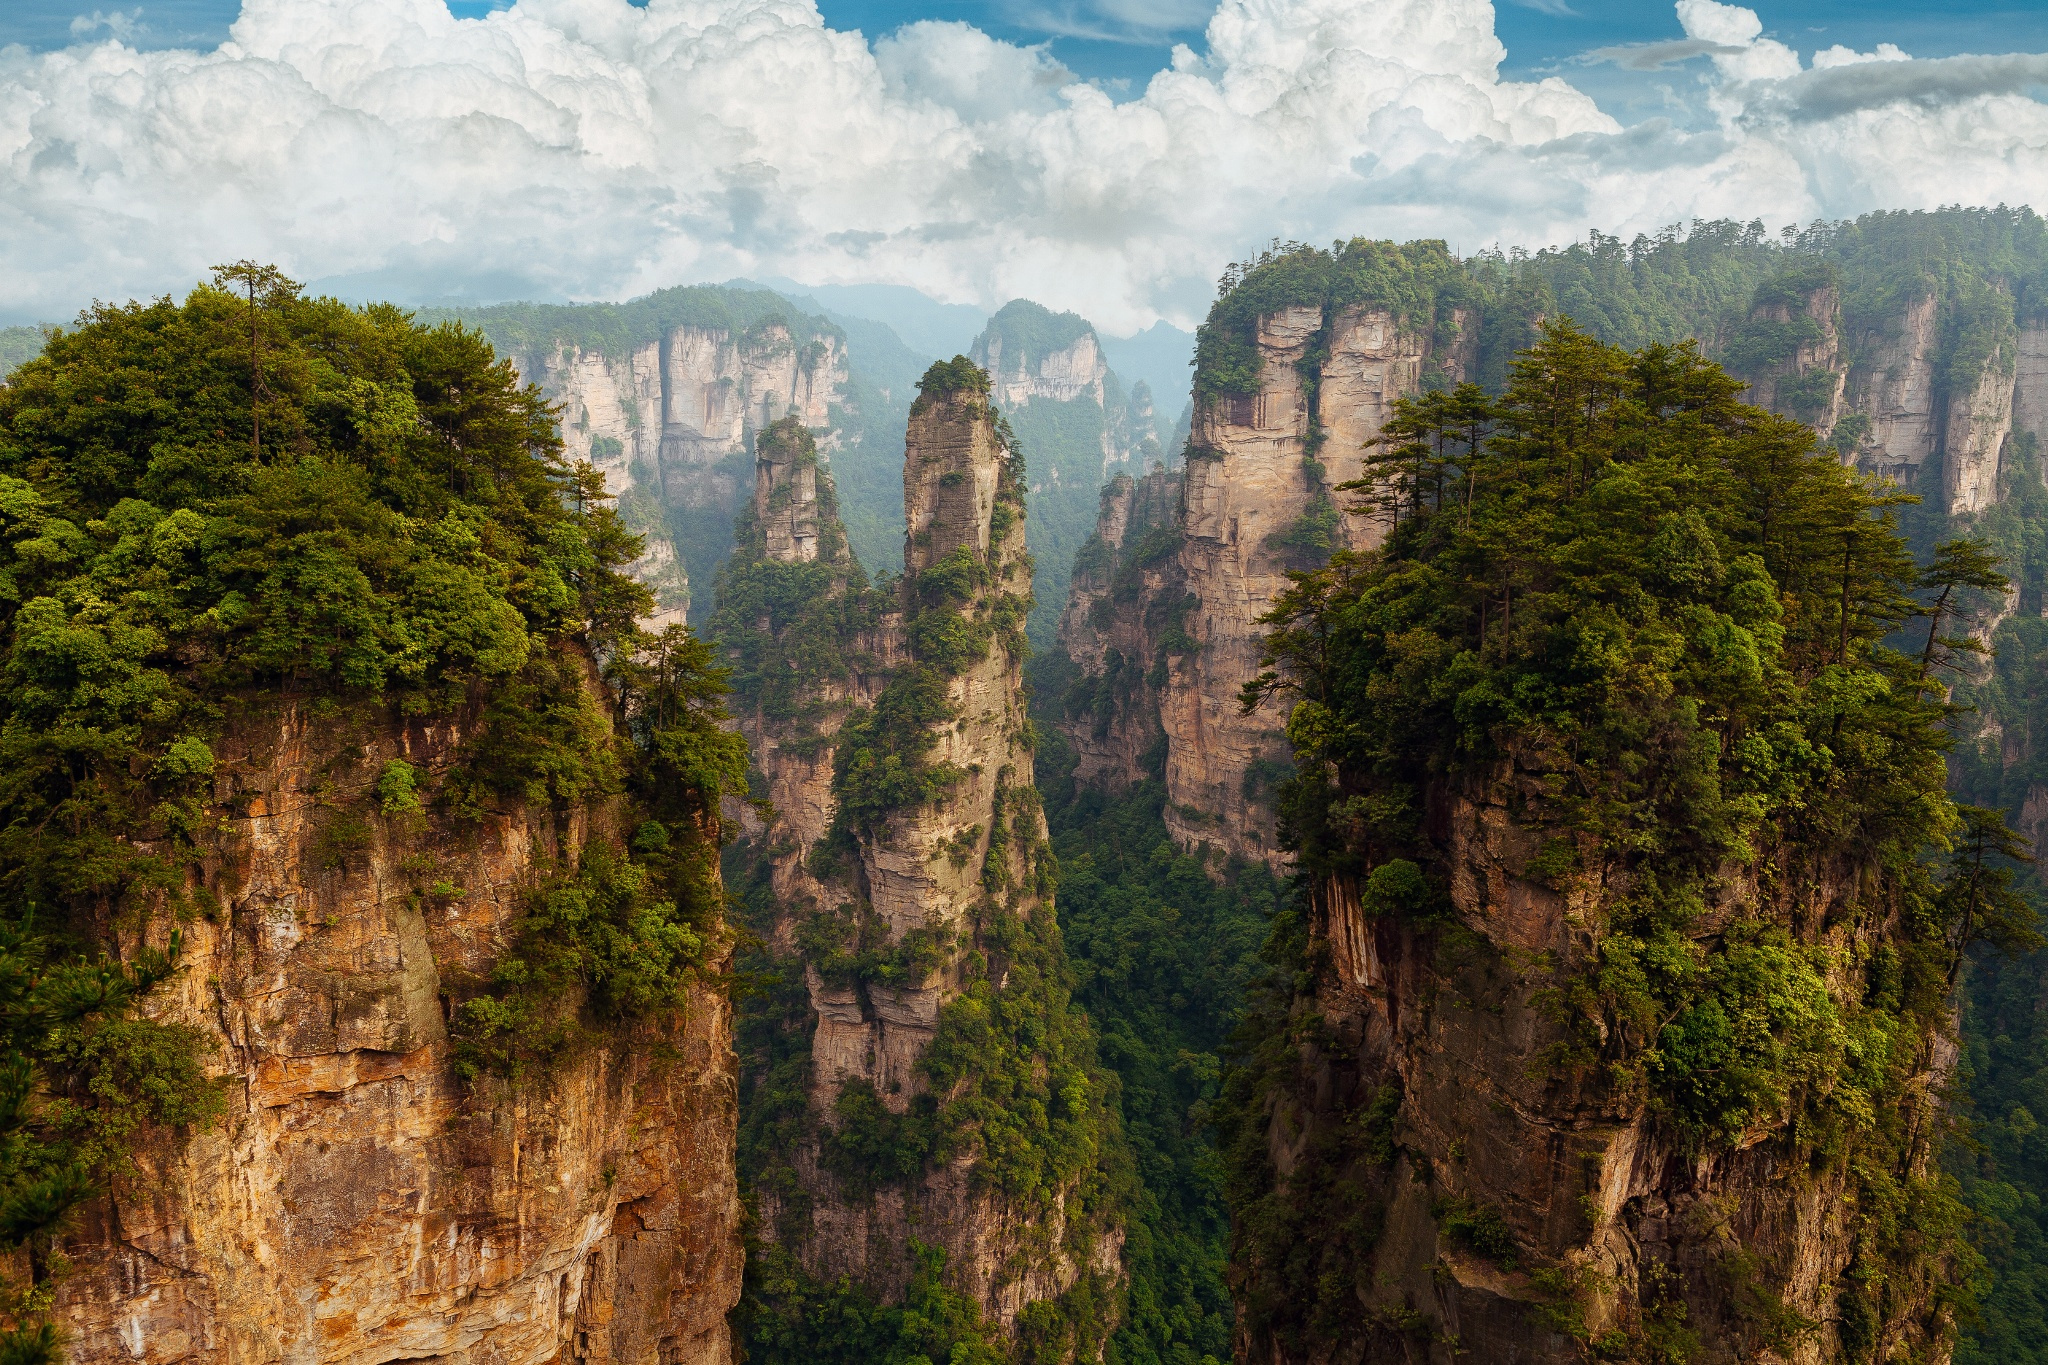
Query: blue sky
pixel 583 150
pixel 1127 40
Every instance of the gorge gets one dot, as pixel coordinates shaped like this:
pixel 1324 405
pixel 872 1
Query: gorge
pixel 1553 954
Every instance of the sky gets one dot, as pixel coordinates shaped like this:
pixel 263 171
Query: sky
pixel 1109 156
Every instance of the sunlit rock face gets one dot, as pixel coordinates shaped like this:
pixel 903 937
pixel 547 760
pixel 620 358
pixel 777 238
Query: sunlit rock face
pixel 360 1201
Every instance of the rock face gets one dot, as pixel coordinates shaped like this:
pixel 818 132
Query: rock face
pixel 1127 584
pixel 1076 425
pixel 1973 440
pixel 2030 381
pixel 1890 412
pixel 1257 499
pixel 920 883
pixel 1457 1041
pixel 669 423
pixel 1811 383
pixel 360 1202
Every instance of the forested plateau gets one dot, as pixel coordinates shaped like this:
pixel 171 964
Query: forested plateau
pixel 1510 837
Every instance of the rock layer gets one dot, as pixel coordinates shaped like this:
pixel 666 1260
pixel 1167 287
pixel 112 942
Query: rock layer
pixel 360 1202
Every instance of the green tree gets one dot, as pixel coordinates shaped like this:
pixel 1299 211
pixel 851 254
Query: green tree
pixel 70 1090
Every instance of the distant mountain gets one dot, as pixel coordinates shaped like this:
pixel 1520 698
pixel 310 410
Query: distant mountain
pixel 1077 426
pixel 666 393
pixel 1163 356
pixel 18 345
pixel 941 330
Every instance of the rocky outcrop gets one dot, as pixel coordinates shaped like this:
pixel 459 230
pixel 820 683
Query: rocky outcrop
pixel 1446 1056
pixel 1071 417
pixel 360 1202
pixel 891 913
pixel 2030 382
pixel 789 721
pixel 1812 382
pixel 1974 436
pixel 669 422
pixel 1901 414
pixel 1258 500
pixel 1895 394
pixel 1128 596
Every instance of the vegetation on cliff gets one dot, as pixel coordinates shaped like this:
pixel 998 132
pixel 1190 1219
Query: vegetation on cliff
pixel 1674 611
pixel 1009 1080
pixel 216 507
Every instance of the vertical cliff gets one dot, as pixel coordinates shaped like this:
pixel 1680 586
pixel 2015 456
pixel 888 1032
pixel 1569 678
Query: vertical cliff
pixel 1070 414
pixel 936 1088
pixel 1563 1074
pixel 1283 418
pixel 360 1199
pixel 665 395
pixel 1790 348
pixel 1126 613
pixel 1912 344
pixel 404 1031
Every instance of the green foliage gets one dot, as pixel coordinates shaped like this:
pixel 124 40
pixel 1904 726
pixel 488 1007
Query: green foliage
pixel 1476 1228
pixel 1676 609
pixel 1023 1092
pixel 81 1079
pixel 19 345
pixel 881 762
pixel 851 945
pixel 1162 956
pixel 948 377
pixel 534 331
pixel 398 788
pixel 592 942
pixel 618 938
pixel 1029 332
pixel 791 1318
pixel 1405 280
pixel 412 534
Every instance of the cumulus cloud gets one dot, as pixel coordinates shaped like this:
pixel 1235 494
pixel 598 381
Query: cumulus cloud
pixel 595 149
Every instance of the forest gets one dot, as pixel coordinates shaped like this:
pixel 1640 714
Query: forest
pixel 1658 760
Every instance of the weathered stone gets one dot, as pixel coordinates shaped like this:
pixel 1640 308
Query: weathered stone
pixel 360 1203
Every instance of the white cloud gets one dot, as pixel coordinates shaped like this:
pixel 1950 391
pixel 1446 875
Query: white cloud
pixel 592 149
pixel 958 67
pixel 122 24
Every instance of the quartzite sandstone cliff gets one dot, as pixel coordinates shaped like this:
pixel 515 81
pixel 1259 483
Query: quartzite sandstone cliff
pixel 359 1202
pixel 1246 485
pixel 932 872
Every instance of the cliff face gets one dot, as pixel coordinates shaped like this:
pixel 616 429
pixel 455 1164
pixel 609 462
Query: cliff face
pixel 1887 407
pixel 1492 1147
pixel 891 913
pixel 1076 425
pixel 1498 1118
pixel 360 1202
pixel 1128 591
pixel 670 421
pixel 1259 500
pixel 1812 382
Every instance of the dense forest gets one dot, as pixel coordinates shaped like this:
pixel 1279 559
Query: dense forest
pixel 254 503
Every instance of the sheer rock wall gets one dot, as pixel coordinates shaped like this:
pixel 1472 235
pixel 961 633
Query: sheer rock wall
pixel 1579 1176
pixel 360 1202
pixel 670 423
pixel 922 869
